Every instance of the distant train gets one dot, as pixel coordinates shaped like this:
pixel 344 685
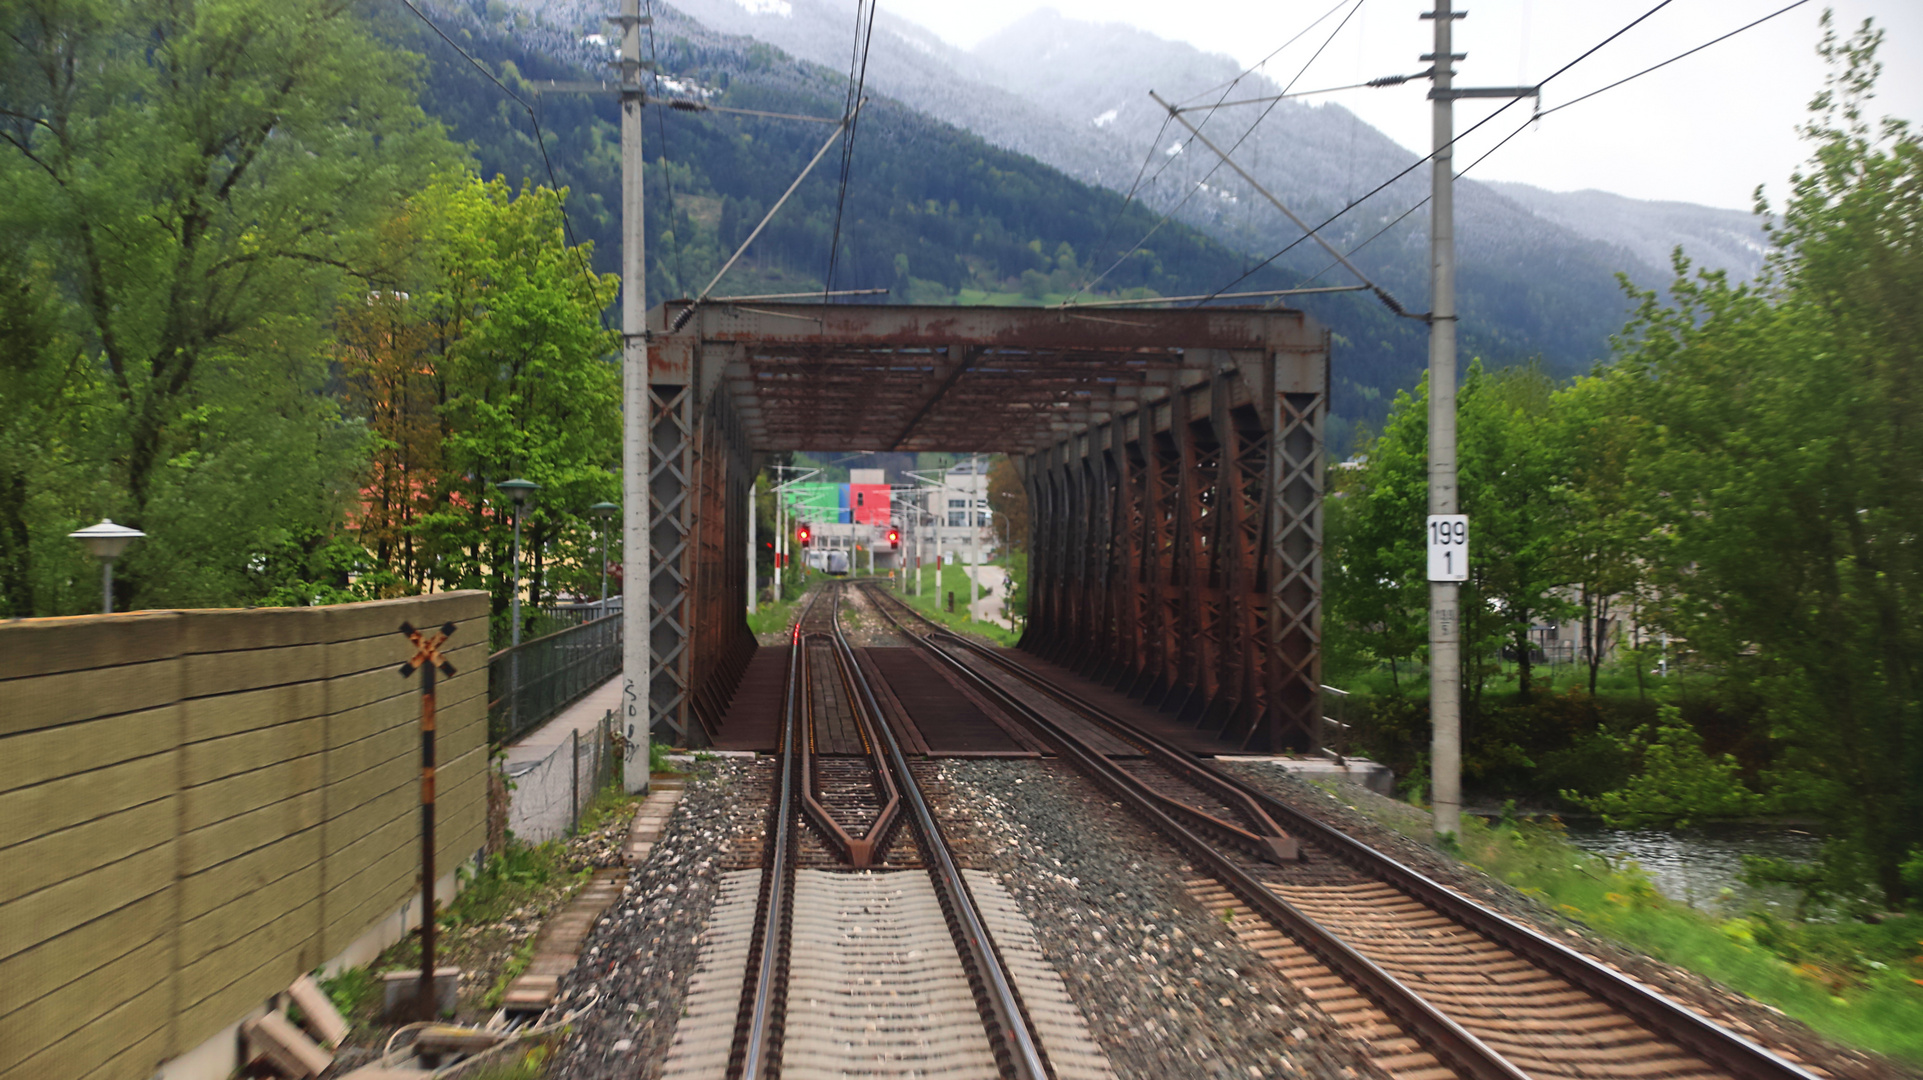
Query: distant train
pixel 832 561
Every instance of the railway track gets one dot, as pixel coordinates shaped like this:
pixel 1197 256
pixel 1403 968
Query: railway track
pixel 1436 985
pixel 874 973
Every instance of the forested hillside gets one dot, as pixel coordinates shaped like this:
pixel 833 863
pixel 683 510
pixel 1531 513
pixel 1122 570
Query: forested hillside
pixel 933 213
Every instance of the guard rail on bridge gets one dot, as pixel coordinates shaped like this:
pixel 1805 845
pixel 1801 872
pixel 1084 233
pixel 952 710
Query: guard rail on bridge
pixel 529 683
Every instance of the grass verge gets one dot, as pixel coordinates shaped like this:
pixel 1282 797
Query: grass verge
pixel 1858 983
pixel 933 601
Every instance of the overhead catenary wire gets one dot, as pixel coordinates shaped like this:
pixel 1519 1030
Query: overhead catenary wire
pixel 1149 155
pixel 857 81
pixel 1196 132
pixel 661 128
pixel 688 312
pixel 1524 126
pixel 540 139
pixel 1430 156
pixel 1273 53
pixel 1388 300
pixel 1386 80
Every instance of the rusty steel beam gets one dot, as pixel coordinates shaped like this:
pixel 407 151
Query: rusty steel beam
pixel 1172 460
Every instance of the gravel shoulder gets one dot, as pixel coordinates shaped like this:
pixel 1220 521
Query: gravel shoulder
pixel 633 975
pixel 1403 832
pixel 1167 990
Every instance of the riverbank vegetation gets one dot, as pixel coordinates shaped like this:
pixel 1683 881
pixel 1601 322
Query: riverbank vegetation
pixel 1853 981
pixel 1745 477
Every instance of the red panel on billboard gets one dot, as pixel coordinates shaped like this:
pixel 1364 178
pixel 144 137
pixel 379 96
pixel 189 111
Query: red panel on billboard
pixel 868 503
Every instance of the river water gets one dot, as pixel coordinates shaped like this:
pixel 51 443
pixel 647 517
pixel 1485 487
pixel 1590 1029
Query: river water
pixel 1695 865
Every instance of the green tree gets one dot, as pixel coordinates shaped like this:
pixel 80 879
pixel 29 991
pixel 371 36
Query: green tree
pixel 527 387
pixel 1678 782
pixel 1603 545
pixel 1784 467
pixel 1512 478
pixel 202 178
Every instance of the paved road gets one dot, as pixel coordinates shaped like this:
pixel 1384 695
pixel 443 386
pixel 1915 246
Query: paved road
pixel 988 608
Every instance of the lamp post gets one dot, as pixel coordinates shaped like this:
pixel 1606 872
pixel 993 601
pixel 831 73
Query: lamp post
pixel 107 540
pixel 518 490
pixel 604 510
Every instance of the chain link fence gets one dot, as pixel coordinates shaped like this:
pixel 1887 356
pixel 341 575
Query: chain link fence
pixel 546 797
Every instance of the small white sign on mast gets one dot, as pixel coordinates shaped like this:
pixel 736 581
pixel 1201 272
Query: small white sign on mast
pixel 1448 547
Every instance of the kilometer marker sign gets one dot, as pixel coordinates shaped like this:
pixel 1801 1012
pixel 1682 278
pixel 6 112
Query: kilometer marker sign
pixel 1448 547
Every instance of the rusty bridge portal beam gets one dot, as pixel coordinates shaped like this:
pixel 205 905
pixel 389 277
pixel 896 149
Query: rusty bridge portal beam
pixel 1173 460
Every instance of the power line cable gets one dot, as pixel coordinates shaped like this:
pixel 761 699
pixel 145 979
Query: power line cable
pixel 540 140
pixel 1149 155
pixel 661 128
pixel 1277 51
pixel 1419 162
pixel 1524 126
pixel 857 81
pixel 1196 133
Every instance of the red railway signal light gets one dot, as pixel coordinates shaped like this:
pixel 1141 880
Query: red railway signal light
pixel 894 538
pixel 805 535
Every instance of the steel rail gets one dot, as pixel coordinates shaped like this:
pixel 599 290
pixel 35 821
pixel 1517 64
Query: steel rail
pixel 757 1026
pixel 1452 1044
pixel 862 851
pixel 1718 1046
pixel 1017 1052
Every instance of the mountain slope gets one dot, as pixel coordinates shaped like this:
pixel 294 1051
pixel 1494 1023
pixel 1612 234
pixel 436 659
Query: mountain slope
pixel 933 212
pixel 1716 239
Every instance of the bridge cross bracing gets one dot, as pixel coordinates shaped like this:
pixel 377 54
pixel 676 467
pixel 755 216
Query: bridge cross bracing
pixel 1173 461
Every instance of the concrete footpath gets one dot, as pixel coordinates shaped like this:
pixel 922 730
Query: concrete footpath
pixel 990 606
pixel 580 716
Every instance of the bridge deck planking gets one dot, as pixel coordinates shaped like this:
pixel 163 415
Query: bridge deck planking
pixel 1164 725
pixel 836 730
pixel 946 720
pixel 753 720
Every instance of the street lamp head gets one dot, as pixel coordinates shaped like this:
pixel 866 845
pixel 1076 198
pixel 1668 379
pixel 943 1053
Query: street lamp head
pixel 604 509
pixel 518 490
pixel 107 540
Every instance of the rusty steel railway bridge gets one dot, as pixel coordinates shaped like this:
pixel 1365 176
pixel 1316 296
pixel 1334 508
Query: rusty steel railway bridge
pixel 1173 460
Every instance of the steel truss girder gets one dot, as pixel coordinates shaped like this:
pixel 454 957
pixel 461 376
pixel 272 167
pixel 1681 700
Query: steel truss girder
pixel 1172 459
pixel 670 464
pixel 1176 553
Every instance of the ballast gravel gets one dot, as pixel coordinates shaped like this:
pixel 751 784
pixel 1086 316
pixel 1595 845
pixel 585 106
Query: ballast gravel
pixel 633 975
pixel 1168 991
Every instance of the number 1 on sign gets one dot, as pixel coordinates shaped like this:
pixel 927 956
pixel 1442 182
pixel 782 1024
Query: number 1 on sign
pixel 1448 547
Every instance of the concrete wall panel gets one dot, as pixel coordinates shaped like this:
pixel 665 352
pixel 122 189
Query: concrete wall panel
pixel 203 805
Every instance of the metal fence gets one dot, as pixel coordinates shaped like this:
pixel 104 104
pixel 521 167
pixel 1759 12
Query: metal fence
pixel 529 683
pixel 546 797
pixel 561 616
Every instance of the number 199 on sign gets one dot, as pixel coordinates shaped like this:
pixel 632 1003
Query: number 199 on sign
pixel 1448 547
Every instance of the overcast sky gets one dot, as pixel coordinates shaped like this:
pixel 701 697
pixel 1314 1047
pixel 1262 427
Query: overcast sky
pixel 1706 129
